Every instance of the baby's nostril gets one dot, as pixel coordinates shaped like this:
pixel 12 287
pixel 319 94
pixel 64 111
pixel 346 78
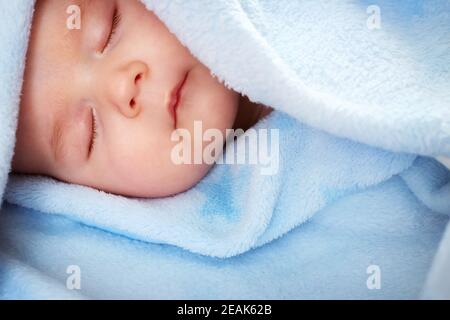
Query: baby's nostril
pixel 132 103
pixel 138 77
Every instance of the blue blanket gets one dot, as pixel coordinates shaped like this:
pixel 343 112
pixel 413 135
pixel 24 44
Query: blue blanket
pixel 339 77
pixel 327 257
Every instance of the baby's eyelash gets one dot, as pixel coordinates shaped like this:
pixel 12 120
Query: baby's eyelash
pixel 94 131
pixel 115 23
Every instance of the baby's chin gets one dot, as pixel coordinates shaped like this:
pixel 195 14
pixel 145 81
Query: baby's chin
pixel 184 178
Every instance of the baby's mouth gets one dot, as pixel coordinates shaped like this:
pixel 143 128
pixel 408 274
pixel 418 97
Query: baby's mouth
pixel 175 98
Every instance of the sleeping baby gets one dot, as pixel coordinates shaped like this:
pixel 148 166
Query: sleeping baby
pixel 100 102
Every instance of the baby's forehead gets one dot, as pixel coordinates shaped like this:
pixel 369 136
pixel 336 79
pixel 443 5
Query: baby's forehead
pixel 50 43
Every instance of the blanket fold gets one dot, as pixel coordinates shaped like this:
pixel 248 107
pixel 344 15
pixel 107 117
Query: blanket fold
pixel 361 96
pixel 15 23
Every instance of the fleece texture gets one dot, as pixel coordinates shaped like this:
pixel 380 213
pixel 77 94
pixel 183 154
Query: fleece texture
pixel 328 257
pixel 15 23
pixel 437 285
pixel 340 78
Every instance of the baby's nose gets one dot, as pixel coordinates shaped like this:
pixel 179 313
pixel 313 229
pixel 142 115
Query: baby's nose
pixel 124 89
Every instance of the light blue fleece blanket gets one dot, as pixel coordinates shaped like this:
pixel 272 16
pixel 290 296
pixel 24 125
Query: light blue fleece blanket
pixel 332 65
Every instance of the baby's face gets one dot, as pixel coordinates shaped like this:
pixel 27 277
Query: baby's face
pixel 115 77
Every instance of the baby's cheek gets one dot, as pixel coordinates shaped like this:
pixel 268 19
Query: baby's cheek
pixel 137 171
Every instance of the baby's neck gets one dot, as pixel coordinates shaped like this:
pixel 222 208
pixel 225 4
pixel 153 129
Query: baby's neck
pixel 249 113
